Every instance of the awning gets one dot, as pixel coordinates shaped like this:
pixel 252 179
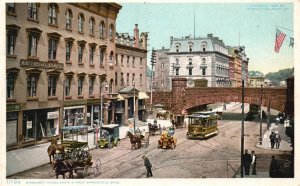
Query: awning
pixel 120 97
pixel 143 95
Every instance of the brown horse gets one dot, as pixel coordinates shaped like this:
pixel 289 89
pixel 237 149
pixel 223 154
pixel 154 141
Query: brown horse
pixel 62 167
pixel 52 150
pixel 135 140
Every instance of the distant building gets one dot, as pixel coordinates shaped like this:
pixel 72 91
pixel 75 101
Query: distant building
pixel 256 81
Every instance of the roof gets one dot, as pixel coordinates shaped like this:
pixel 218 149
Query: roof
pixel 110 126
pixel 127 90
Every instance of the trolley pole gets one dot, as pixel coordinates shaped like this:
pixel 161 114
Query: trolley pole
pixel 242 131
pixel 260 124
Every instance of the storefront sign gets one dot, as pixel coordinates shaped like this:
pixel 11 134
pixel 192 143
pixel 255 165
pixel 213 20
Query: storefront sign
pixel 29 124
pixel 74 103
pixel 41 64
pixel 93 101
pixel 52 115
pixel 13 107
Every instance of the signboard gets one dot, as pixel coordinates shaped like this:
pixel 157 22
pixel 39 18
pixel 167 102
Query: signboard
pixel 13 107
pixel 52 115
pixel 41 64
pixel 29 124
pixel 88 115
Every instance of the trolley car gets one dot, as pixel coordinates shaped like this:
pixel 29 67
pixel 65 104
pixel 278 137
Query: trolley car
pixel 202 124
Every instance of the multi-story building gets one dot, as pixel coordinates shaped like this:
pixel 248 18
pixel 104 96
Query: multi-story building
pixel 256 81
pixel 235 66
pixel 161 80
pixel 196 59
pixel 131 75
pixel 60 61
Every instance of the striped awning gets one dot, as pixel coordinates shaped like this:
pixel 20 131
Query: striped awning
pixel 143 95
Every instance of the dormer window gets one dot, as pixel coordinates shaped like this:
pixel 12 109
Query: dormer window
pixel 203 46
pixel 177 47
pixel 190 47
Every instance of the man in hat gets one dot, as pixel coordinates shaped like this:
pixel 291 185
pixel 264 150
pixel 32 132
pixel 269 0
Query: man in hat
pixel 277 140
pixel 148 166
pixel 272 139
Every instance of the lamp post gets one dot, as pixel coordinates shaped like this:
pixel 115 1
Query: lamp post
pixel 62 112
pixel 260 126
pixel 242 131
pixel 102 79
pixel 133 107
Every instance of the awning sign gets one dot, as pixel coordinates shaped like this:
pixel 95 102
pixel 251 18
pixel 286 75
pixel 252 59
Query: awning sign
pixel 52 115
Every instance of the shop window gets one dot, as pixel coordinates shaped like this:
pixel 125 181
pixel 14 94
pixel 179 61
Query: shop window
pixel 32 11
pixel 52 14
pixel 69 16
pixel 11 128
pixel 92 26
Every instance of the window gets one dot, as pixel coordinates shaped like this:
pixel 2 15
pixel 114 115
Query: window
pixel 32 45
pixel 203 71
pixel 11 8
pixel 141 62
pixel 141 79
pixel 177 62
pixel 133 77
pixel 68 50
pixel 116 78
pixel 80 85
pixel 52 48
pixel 190 47
pixel 122 60
pixel 69 17
pixel 102 28
pixel 102 53
pixel 190 71
pixel 203 45
pixel 177 45
pixel 133 60
pixel 111 58
pixel 31 85
pixel 92 52
pixel 32 11
pixel 111 32
pixel 127 79
pixel 52 82
pixel 190 61
pixel 68 86
pixel 12 32
pixel 91 85
pixel 92 26
pixel 10 85
pixel 80 54
pixel 52 14
pixel 116 59
pixel 128 57
pixel 80 23
pixel 177 71
pixel 162 65
pixel 122 79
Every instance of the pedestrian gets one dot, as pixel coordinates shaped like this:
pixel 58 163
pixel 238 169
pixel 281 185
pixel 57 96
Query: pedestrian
pixel 246 162
pixel 272 139
pixel 277 140
pixel 253 163
pixel 273 168
pixel 148 166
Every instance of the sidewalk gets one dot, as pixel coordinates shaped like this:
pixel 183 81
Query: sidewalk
pixel 285 144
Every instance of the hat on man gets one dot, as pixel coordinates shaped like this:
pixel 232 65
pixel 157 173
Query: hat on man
pixel 143 156
pixel 276 132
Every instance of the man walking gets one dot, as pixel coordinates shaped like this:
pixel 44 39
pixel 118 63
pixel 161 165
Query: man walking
pixel 246 162
pixel 148 166
pixel 253 162
pixel 272 139
pixel 277 140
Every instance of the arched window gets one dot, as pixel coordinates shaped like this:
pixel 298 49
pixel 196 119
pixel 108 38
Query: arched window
pixel 191 46
pixel 80 23
pixel 69 17
pixel 111 32
pixel 101 29
pixel 52 14
pixel 92 26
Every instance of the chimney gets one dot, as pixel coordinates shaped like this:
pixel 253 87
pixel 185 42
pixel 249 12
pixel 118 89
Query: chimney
pixel 136 36
pixel 209 35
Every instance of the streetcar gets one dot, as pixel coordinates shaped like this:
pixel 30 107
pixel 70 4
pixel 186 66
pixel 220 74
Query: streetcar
pixel 202 125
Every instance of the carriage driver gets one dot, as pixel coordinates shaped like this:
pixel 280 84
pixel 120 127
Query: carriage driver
pixel 58 156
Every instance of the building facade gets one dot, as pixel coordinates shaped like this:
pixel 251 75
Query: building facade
pixel 161 76
pixel 58 56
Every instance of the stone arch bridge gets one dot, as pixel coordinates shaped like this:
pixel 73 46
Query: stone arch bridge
pixel 182 97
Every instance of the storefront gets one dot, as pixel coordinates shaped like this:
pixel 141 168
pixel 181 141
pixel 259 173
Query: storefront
pixel 74 116
pixel 12 124
pixel 40 123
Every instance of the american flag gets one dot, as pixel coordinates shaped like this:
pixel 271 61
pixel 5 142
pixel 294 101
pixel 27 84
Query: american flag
pixel 279 40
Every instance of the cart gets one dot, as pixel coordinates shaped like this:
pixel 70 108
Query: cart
pixel 110 136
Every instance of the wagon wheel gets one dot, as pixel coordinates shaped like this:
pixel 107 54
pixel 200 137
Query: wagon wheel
pixel 87 171
pixel 51 172
pixel 97 168
pixel 118 143
pixel 109 145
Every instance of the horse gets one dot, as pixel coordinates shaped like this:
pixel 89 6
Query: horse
pixel 64 166
pixel 52 150
pixel 134 140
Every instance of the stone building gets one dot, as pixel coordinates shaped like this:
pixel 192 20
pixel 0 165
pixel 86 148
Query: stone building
pixel 161 77
pixel 205 59
pixel 58 55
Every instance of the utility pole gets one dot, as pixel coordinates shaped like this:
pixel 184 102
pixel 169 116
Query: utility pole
pixel 153 61
pixel 260 125
pixel 242 131
pixel 133 107
pixel 62 112
pixel 102 79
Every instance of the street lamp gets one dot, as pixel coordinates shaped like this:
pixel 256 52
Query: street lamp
pixel 260 126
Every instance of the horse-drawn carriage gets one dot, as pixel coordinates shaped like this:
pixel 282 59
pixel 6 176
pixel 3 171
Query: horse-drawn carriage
pixel 178 121
pixel 73 156
pixel 137 138
pixel 167 140
pixel 154 128
pixel 110 136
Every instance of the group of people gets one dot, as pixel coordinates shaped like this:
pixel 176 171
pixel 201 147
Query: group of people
pixel 248 160
pixel 275 139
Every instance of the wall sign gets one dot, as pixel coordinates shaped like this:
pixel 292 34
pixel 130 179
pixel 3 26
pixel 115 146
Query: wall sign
pixel 41 64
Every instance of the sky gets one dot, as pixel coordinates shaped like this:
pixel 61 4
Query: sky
pixel 252 25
